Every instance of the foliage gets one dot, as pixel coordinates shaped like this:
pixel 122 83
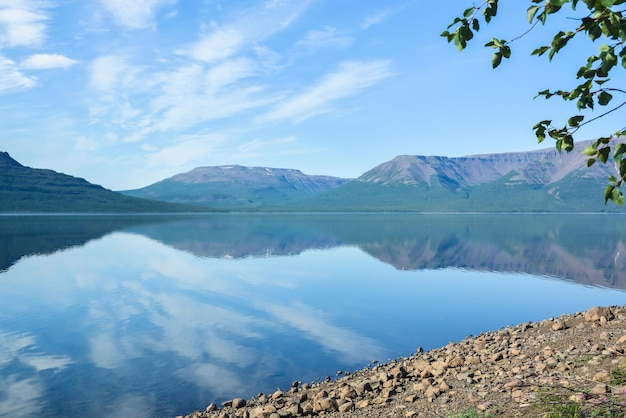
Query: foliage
pixel 617 376
pixel 571 402
pixel 470 413
pixel 603 21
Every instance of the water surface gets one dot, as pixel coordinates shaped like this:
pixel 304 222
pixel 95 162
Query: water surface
pixel 158 316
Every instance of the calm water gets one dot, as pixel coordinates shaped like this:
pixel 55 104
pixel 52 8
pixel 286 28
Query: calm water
pixel 147 316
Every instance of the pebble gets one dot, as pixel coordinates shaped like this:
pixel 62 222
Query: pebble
pixel 504 367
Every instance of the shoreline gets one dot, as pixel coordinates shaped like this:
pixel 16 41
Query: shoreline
pixel 517 371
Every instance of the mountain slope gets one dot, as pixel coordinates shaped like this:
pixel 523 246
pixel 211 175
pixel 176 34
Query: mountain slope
pixel 542 180
pixel 237 187
pixel 25 189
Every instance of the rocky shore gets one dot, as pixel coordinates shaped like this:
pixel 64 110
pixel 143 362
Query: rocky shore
pixel 574 361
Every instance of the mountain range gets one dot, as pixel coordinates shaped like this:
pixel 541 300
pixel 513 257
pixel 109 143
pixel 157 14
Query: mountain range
pixel 537 181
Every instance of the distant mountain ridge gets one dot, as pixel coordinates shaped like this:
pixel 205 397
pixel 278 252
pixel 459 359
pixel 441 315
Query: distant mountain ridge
pixel 535 181
pixel 235 186
pixel 25 189
pixel 535 167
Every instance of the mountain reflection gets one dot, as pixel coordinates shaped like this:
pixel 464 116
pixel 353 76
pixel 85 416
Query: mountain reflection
pixel 586 249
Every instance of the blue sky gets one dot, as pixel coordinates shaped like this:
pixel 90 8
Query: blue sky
pixel 127 92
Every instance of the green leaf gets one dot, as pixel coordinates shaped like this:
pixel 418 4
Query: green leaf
pixel 574 121
pixel 603 154
pixel 496 60
pixel 532 12
pixel 617 197
pixel 591 162
pixel 608 193
pixel 469 12
pixel 540 51
pixel 590 151
pixel 604 98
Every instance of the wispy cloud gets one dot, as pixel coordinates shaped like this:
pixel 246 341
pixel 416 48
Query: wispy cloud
pixel 328 37
pixel 108 71
pixel 188 150
pixel 193 94
pixel 350 78
pixel 135 14
pixel 217 45
pixel 257 145
pixel 22 23
pixel 47 61
pixel 380 17
pixel 11 78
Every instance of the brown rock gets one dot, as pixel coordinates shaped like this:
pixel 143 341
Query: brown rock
pixel 363 404
pixel 432 392
pixel 600 389
pixel 238 403
pixel 601 376
pixel 596 313
pixel 398 372
pixel 325 405
pixel 320 395
pixel 349 393
pixel 457 361
pixel 512 384
pixel 411 398
pixel 363 387
pixel 348 406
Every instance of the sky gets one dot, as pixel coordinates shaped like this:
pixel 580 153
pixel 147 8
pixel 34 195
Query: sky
pixel 125 93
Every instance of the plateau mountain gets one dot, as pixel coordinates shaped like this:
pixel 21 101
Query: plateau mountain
pixel 536 181
pixel 238 187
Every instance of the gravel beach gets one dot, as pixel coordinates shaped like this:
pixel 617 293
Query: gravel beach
pixel 575 361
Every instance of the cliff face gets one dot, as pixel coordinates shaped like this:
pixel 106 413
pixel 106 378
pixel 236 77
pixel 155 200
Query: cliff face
pixel 540 167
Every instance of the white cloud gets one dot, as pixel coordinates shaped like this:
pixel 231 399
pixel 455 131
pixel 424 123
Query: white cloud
pixel 228 73
pixel 349 79
pixel 325 38
pixel 84 143
pixel 195 149
pixel 135 14
pixel 218 45
pixel 259 144
pixel 380 17
pixel 108 71
pixel 192 95
pixel 269 60
pixel 46 61
pixel 22 22
pixel 11 78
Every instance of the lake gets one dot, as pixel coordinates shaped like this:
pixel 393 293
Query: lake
pixel 149 316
